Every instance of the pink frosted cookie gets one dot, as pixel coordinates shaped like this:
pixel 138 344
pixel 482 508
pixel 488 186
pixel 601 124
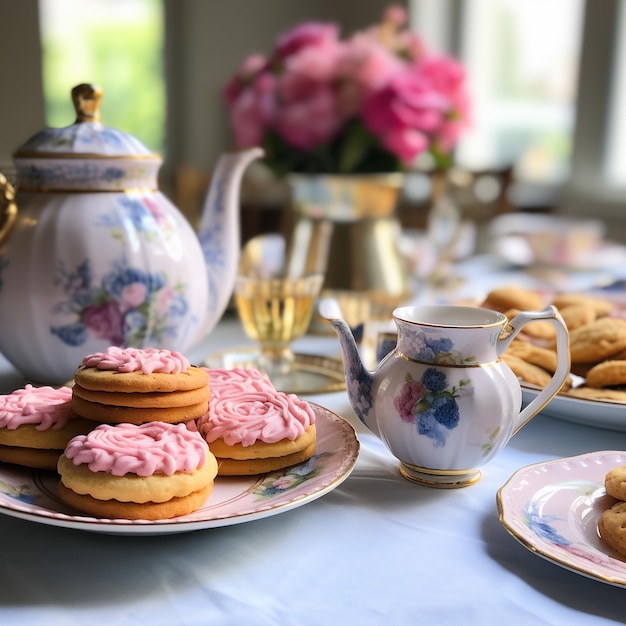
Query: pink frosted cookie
pixel 149 471
pixel 252 428
pixel 237 381
pixel 35 425
pixel 139 385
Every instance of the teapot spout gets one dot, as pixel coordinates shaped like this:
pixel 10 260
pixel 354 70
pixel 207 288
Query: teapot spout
pixel 219 234
pixel 359 381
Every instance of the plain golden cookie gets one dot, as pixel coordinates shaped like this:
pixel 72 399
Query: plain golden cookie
pixel 601 306
pixel 577 315
pixel 607 374
pixel 528 372
pixel 537 355
pixel 612 527
pixel 615 482
pixel 591 393
pixel 598 341
pixel 513 297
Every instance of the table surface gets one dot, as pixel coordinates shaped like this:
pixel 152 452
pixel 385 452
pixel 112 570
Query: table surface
pixel 378 549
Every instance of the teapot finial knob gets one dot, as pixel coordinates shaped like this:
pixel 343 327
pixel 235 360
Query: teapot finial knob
pixel 86 99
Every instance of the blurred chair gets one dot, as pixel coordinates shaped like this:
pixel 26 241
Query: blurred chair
pixel 479 194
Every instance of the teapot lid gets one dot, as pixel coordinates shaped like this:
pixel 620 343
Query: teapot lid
pixel 85 155
pixel 87 135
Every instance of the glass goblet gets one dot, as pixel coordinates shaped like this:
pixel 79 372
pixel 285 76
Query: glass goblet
pixel 274 312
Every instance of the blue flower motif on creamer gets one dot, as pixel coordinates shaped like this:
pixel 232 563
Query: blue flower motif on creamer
pixel 436 350
pixel 431 404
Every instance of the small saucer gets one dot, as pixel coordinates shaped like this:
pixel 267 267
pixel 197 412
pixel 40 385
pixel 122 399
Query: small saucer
pixel 312 374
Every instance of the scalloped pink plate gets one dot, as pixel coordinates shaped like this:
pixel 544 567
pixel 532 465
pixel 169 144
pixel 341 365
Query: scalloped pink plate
pixel 553 508
pixel 32 494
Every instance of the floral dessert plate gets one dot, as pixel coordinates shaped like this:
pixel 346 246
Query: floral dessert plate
pixel 32 494
pixel 553 508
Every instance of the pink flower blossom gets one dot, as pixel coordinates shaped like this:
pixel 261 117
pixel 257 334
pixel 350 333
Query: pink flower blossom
pixel 404 113
pixel 368 63
pixel 316 63
pixel 406 401
pixel 378 92
pixel 309 114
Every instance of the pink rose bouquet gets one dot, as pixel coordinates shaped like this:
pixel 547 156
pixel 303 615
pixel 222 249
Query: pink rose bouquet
pixel 370 103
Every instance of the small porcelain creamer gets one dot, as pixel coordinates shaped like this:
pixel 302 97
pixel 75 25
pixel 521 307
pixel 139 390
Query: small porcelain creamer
pixel 443 400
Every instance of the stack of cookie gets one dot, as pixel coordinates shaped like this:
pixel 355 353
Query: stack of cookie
pixel 612 522
pixel 599 355
pixel 35 425
pixel 144 459
pixel 252 428
pixel 597 341
pixel 135 386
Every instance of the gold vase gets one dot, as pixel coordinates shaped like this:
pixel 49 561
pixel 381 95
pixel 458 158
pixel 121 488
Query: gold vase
pixel 346 227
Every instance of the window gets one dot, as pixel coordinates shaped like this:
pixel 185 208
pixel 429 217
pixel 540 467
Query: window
pixel 522 63
pixel 116 44
pixel 616 163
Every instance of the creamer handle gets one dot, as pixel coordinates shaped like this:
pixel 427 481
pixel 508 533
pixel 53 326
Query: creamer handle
pixel 550 314
pixel 8 208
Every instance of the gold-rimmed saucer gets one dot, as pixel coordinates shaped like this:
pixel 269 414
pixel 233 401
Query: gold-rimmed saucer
pixel 310 373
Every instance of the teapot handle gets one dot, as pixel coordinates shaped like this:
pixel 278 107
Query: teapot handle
pixel 550 314
pixel 8 207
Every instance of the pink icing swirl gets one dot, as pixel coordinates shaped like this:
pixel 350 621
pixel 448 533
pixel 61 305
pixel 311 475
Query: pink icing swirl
pixel 245 408
pixel 44 407
pixel 146 449
pixel 236 382
pixel 146 360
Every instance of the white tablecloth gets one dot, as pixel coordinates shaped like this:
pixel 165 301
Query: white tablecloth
pixel 376 550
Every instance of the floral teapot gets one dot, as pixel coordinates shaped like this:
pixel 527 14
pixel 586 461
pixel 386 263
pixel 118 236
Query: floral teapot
pixel 92 254
pixel 443 401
